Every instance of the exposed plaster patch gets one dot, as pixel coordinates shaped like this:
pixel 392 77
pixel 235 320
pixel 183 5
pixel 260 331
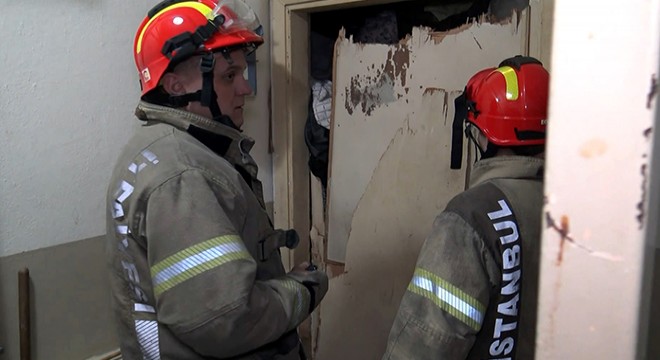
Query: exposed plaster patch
pixel 397 63
pixel 371 92
pixel 563 230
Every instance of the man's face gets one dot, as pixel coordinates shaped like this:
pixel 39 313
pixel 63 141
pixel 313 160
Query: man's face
pixel 228 83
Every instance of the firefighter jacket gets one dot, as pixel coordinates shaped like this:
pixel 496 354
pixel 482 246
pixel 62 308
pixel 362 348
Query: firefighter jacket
pixel 195 264
pixel 473 292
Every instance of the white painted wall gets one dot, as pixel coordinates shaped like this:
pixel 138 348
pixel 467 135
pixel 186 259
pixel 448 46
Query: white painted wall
pixel 257 111
pixel 599 149
pixel 67 97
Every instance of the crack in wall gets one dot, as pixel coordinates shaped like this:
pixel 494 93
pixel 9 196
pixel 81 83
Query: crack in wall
pixel 563 230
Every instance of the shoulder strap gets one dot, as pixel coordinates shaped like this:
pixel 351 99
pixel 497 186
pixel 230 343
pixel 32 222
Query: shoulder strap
pixel 491 215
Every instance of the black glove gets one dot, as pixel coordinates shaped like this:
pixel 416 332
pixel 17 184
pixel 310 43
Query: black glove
pixel 316 283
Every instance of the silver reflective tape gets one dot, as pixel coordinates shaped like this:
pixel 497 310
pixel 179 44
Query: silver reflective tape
pixel 196 260
pixel 135 168
pixel 118 210
pixel 150 156
pixel 147 334
pixel 126 191
pixel 449 298
pixel 122 229
pixel 144 308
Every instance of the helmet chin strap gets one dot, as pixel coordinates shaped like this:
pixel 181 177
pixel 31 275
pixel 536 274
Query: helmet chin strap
pixel 207 96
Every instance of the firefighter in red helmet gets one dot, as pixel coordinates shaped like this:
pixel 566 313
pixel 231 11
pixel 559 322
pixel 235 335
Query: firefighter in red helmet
pixel 195 262
pixel 473 292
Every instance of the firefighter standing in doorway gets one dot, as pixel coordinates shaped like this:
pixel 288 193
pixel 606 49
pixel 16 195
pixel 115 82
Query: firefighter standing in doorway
pixel 473 292
pixel 195 264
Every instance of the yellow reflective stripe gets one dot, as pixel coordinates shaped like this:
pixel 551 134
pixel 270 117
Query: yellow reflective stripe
pixel 448 298
pixel 511 82
pixel 195 260
pixel 203 9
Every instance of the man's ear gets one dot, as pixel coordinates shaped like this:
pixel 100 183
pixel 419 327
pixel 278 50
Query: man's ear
pixel 172 84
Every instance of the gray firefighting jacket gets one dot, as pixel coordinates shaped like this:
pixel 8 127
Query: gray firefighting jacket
pixel 195 264
pixel 473 293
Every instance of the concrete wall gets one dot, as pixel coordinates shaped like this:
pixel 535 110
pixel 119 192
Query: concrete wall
pixel 67 97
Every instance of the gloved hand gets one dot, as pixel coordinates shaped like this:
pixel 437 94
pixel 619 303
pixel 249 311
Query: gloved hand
pixel 315 281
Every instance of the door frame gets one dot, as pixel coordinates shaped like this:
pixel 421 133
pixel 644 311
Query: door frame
pixel 290 80
pixel 291 188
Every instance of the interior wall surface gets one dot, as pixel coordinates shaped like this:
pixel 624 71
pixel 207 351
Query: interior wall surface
pixel 66 109
pixel 601 129
pixel 67 99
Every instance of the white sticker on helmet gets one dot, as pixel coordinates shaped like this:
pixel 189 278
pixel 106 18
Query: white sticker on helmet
pixel 146 75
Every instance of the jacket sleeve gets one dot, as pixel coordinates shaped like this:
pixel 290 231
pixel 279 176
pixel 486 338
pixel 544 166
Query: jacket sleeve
pixel 203 276
pixel 445 303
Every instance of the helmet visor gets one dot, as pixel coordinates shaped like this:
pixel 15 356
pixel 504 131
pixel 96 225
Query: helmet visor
pixel 238 16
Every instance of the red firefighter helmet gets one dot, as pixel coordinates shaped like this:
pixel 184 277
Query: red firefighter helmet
pixel 177 29
pixel 509 103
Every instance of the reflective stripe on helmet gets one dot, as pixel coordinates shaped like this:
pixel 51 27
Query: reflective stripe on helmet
pixel 511 79
pixel 203 9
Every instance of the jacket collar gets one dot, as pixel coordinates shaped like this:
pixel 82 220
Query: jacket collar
pixel 238 151
pixel 511 167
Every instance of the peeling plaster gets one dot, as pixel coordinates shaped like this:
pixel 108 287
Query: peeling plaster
pixel 398 61
pixel 641 205
pixel 372 91
pixel 652 92
pixel 647 133
pixel 369 92
pixel 439 36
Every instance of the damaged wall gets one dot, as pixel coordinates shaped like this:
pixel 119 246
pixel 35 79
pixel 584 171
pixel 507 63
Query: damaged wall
pixel 390 172
pixel 595 258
